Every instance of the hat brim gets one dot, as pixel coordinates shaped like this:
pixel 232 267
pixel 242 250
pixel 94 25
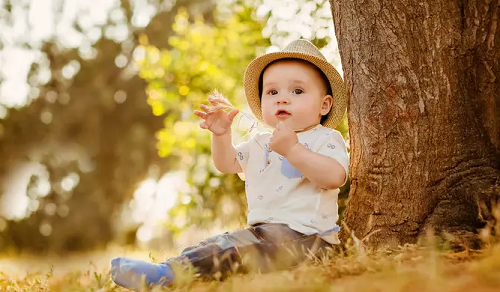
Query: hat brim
pixel 339 90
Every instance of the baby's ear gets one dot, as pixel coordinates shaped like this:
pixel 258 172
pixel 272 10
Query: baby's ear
pixel 326 105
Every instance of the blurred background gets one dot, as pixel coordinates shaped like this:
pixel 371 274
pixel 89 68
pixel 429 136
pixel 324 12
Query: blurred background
pixel 98 143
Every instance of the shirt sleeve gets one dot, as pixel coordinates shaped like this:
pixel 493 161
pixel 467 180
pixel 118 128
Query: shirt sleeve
pixel 333 145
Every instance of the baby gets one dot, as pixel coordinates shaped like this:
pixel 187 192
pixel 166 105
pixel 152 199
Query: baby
pixel 292 176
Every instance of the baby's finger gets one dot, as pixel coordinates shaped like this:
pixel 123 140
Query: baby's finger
pixel 213 101
pixel 232 114
pixel 204 108
pixel 200 114
pixel 276 130
pixel 203 125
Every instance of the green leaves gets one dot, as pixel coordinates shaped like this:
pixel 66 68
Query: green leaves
pixel 202 57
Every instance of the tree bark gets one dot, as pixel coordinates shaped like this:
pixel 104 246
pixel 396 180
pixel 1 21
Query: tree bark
pixel 424 117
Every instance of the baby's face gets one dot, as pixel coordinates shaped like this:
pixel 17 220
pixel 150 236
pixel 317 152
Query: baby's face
pixel 294 92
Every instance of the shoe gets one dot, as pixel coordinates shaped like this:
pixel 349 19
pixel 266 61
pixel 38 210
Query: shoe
pixel 134 274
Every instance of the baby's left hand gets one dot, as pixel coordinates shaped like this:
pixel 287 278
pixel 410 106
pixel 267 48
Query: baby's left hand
pixel 283 139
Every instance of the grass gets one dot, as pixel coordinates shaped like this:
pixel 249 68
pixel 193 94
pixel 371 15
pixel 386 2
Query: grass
pixel 406 269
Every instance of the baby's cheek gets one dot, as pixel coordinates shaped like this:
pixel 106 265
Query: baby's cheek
pixel 266 113
pixel 268 118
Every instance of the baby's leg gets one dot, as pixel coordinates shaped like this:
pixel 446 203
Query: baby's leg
pixel 264 248
pixel 289 247
pixel 218 255
pixel 134 274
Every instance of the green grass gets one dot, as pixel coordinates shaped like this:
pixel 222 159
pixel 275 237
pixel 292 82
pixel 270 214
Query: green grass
pixel 406 269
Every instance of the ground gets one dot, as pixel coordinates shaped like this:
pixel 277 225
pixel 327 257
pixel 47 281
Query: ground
pixel 405 269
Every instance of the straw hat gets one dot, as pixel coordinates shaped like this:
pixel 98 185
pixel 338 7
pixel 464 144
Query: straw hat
pixel 304 50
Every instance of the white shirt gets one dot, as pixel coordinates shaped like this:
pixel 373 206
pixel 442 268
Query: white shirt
pixel 278 193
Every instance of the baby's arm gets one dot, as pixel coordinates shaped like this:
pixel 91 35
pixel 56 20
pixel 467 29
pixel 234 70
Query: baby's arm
pixel 322 170
pixel 224 154
pixel 219 123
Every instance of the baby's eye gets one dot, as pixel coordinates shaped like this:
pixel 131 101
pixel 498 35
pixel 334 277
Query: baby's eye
pixel 298 91
pixel 272 92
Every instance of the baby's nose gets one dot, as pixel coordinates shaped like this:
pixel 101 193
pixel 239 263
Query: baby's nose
pixel 283 100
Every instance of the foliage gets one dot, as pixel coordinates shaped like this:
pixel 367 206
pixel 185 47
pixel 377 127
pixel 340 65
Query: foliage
pixel 201 58
pixel 90 131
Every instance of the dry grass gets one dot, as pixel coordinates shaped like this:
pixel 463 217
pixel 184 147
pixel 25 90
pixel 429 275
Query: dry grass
pixel 407 269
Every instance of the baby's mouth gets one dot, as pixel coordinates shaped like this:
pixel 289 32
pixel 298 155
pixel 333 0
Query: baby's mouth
pixel 282 114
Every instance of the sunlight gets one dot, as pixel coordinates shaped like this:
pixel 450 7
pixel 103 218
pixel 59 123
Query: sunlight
pixel 69 182
pixel 15 63
pixel 36 25
pixel 15 203
pixel 152 201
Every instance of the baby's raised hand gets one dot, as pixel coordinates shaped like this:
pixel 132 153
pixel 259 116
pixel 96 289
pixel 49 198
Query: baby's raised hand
pixel 283 139
pixel 215 120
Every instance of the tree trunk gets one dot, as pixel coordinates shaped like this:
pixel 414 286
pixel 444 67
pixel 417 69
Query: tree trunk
pixel 424 116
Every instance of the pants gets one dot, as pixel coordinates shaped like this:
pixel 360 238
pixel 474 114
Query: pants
pixel 262 247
